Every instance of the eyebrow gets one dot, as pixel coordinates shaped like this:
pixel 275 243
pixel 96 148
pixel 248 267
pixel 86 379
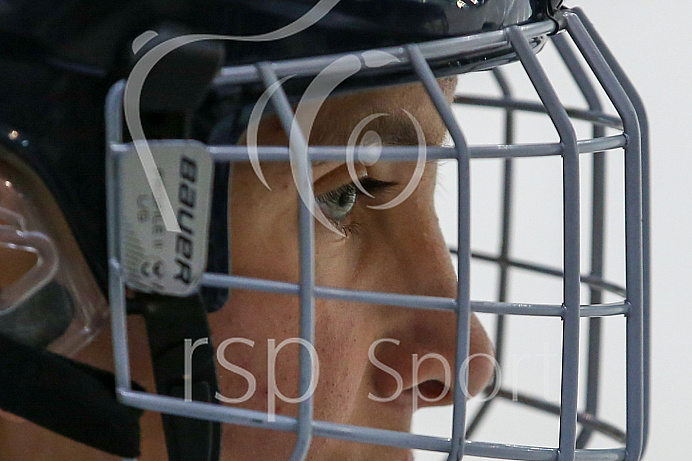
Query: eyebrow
pixel 398 130
pixel 395 131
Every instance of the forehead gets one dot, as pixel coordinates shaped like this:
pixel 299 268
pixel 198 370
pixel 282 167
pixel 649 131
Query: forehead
pixel 338 117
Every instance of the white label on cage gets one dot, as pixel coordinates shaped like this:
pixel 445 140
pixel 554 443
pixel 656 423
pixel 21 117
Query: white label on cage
pixel 154 259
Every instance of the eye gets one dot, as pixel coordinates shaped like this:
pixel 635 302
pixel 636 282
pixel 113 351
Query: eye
pixel 337 204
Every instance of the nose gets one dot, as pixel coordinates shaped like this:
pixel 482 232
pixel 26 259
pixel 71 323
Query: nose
pixel 421 345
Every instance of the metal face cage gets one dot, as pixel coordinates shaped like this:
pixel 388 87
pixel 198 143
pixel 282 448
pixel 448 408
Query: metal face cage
pixel 631 136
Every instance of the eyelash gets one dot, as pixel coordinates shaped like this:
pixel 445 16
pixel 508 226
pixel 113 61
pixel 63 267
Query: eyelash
pixel 372 185
pixel 348 229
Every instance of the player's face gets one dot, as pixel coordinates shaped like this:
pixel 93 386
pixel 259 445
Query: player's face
pixel 398 250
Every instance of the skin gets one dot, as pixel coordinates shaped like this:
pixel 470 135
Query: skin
pixel 399 250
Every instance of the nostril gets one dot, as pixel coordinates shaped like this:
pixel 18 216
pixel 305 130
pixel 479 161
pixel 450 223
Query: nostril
pixel 432 390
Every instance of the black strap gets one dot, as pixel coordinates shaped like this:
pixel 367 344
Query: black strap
pixel 170 322
pixel 218 256
pixel 173 90
pixel 73 399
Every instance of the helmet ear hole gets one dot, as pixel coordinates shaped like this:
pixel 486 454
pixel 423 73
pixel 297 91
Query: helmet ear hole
pixel 42 318
pixel 22 261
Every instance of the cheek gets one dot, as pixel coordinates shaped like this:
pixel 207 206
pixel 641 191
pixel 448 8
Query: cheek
pixel 344 332
pixel 256 317
pixel 336 257
pixel 342 339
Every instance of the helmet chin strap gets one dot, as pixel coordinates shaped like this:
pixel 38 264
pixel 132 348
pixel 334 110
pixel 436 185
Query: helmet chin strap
pixel 67 397
pixel 179 335
pixel 78 401
pixel 70 398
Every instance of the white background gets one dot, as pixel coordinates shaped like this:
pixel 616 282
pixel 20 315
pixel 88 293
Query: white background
pixel 652 42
